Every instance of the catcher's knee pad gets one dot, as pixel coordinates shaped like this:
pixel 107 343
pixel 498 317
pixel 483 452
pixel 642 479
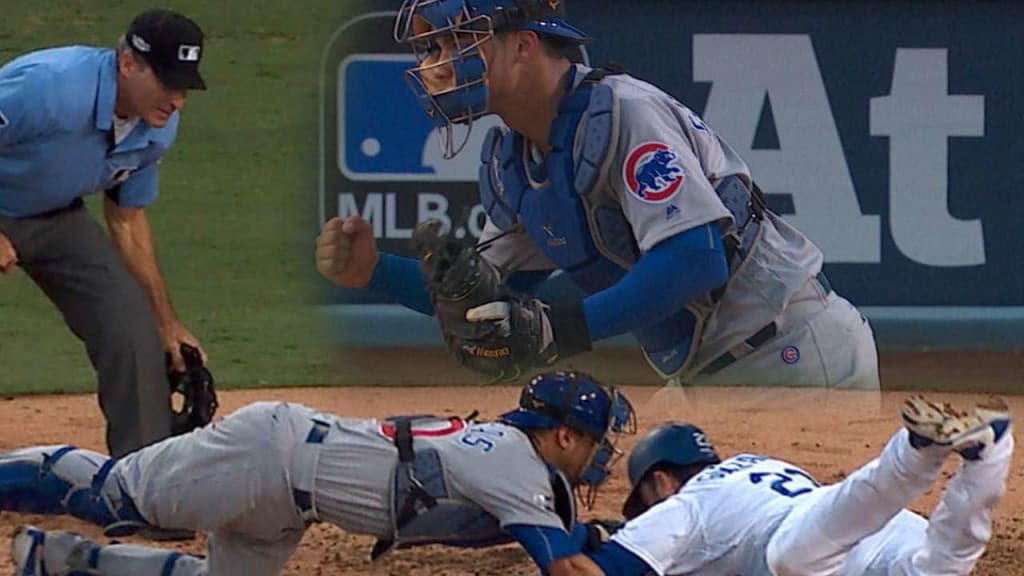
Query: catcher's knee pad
pixel 65 480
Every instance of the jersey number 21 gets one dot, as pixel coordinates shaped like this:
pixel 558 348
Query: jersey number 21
pixel 791 482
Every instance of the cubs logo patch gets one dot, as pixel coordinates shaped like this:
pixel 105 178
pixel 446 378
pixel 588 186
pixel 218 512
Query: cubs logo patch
pixel 790 354
pixel 652 172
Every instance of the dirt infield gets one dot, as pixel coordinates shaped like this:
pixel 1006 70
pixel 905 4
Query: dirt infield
pixel 827 434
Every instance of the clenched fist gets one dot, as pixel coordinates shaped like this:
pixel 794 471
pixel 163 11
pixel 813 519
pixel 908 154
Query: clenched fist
pixel 8 255
pixel 346 252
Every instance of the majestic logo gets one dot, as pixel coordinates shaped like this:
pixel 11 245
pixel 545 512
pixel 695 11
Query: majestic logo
pixel 697 123
pixel 652 172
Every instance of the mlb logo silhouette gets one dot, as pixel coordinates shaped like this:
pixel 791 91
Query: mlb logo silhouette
pixel 385 135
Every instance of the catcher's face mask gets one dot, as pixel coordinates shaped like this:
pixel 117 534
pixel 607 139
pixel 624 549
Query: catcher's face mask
pixel 451 76
pixel 621 420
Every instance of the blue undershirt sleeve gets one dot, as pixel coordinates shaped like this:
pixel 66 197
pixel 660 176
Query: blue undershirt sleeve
pixel 614 559
pixel 544 544
pixel 663 281
pixel 398 278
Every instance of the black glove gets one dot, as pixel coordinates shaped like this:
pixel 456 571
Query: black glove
pixel 486 326
pixel 198 402
pixel 599 531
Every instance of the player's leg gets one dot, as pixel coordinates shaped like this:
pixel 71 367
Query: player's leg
pixel 845 341
pixel 213 476
pixel 960 527
pixel 234 554
pixel 57 480
pixel 203 480
pixel 72 261
pixel 818 534
pixel 35 552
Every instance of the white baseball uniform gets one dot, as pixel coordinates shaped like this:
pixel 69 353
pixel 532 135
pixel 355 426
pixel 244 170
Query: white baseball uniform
pixel 751 512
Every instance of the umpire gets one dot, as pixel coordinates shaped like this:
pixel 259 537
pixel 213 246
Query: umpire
pixel 76 120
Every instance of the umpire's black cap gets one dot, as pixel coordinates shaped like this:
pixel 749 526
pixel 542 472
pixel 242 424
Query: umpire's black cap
pixel 172 45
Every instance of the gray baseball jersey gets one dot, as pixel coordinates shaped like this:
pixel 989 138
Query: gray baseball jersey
pixel 662 169
pixel 490 465
pixel 240 478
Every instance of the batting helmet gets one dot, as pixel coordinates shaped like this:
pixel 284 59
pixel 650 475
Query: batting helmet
pixel 579 402
pixel 669 443
pixel 468 24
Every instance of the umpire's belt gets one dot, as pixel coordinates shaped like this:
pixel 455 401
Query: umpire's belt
pixel 759 338
pixel 303 497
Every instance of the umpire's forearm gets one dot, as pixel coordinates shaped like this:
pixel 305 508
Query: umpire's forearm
pixel 130 234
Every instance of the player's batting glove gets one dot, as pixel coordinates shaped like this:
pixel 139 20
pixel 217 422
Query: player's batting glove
pixel 599 531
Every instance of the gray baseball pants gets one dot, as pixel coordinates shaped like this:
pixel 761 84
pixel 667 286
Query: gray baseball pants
pixel 67 254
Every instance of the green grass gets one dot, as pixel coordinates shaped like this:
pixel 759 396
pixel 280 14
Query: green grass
pixel 235 219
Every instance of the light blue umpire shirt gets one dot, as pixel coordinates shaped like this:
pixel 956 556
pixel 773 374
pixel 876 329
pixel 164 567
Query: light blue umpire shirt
pixel 56 114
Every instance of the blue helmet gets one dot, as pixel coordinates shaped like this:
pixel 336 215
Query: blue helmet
pixel 468 24
pixel 579 402
pixel 669 443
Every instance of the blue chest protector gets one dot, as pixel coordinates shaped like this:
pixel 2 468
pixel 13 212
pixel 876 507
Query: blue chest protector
pixel 587 237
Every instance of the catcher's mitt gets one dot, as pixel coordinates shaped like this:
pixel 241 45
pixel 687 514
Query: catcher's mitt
pixel 459 279
pixel 198 402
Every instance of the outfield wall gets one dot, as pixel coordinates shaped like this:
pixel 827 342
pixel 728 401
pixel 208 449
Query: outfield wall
pixel 888 132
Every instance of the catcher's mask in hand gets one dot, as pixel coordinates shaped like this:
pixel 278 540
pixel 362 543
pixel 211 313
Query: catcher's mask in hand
pixel 198 402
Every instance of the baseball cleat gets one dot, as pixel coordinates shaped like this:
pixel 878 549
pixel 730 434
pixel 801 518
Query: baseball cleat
pixel 966 433
pixel 27 551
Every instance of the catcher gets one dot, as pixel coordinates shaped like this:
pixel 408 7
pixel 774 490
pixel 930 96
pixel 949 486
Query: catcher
pixel 260 477
pixel 648 211
pixel 691 513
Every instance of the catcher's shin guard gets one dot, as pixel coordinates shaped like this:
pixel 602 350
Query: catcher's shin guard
pixel 65 480
pixel 50 553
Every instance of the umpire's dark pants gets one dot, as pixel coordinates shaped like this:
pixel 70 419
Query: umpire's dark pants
pixel 68 255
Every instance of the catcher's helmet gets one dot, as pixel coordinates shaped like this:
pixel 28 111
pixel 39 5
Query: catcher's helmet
pixel 572 399
pixel 670 443
pixel 468 24
pixel 579 402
